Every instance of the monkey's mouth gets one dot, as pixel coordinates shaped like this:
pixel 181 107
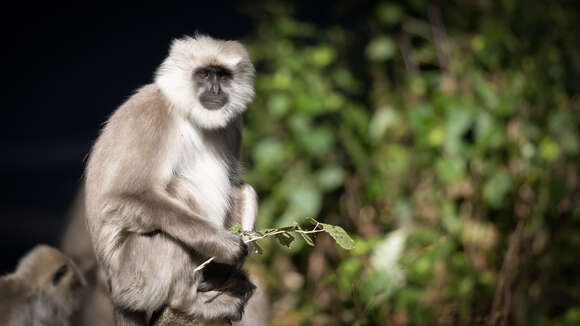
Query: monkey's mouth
pixel 212 101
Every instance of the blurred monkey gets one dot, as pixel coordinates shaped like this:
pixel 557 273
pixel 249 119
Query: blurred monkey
pixel 43 291
pixel 95 307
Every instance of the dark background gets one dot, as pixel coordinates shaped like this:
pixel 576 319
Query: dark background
pixel 65 68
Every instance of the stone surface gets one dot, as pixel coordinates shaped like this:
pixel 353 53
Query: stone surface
pixel 173 318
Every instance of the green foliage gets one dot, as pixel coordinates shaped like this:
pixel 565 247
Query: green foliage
pixel 285 237
pixel 445 140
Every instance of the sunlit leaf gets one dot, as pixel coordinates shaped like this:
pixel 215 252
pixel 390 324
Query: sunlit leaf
pixel 496 189
pixel 322 56
pixel 279 104
pixel 339 235
pixel 330 177
pixel 236 228
pixel 307 239
pixel 268 153
pixel 549 149
pixel 450 169
pixel 381 48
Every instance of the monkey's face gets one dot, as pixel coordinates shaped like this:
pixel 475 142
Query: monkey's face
pixel 210 81
pixel 213 86
pixel 65 281
pixel 55 279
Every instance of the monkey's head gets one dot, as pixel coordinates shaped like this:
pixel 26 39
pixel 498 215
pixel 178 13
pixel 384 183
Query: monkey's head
pixel 208 80
pixel 54 281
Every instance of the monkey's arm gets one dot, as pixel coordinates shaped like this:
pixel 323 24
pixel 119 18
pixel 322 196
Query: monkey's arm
pixel 155 211
pixel 245 207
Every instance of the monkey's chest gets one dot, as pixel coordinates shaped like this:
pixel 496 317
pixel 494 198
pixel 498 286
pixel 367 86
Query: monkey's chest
pixel 205 184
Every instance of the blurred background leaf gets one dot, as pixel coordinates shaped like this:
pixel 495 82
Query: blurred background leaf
pixel 444 138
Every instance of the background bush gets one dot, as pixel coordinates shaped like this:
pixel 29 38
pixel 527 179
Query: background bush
pixel 444 138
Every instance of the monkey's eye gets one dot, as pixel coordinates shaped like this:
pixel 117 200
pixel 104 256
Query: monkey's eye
pixel 59 274
pixel 224 74
pixel 203 74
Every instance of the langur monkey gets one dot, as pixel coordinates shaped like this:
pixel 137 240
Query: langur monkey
pixel 163 187
pixel 43 291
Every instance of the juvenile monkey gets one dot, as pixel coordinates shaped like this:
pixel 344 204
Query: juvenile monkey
pixel 163 186
pixel 43 291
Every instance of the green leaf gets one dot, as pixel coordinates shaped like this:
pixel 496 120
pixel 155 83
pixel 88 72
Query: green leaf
pixel 322 56
pixel 236 228
pixel 285 238
pixel 450 169
pixel 279 104
pixel 339 235
pixel 306 199
pixel 330 177
pixel 311 220
pixel 549 150
pixel 381 48
pixel 319 141
pixel 383 119
pixel 256 248
pixel 268 153
pixel 496 189
pixel 307 239
pixel 389 14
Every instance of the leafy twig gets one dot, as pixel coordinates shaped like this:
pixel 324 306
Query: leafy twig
pixel 284 236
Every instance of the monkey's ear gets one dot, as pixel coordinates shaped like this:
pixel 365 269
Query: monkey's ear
pixel 59 274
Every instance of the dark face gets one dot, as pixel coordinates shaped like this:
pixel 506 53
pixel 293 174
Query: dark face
pixel 212 79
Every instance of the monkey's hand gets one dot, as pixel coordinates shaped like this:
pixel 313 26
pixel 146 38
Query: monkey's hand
pixel 227 248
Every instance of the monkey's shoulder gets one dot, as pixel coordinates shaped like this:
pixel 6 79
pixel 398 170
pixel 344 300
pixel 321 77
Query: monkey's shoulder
pixel 145 115
pixel 146 102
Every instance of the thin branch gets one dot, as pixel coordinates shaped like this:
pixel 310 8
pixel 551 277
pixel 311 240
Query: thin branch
pixel 200 267
pixel 503 293
pixel 439 36
pixel 407 51
pixel 314 230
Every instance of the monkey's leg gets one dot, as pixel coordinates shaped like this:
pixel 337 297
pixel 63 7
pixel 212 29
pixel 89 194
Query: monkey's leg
pixel 129 318
pixel 250 207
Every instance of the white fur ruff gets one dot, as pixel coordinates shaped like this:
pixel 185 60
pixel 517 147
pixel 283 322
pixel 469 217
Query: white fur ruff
pixel 206 173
